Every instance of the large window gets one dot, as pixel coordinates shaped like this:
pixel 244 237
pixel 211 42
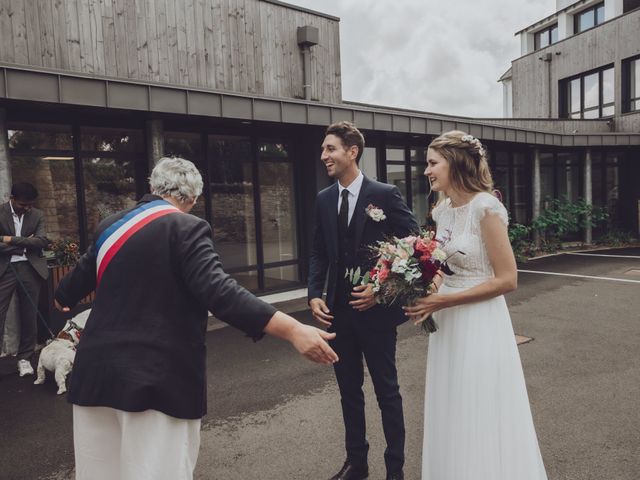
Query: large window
pixel 631 85
pixel 246 184
pixel 43 156
pixel 628 5
pixel 278 215
pixel 605 182
pixel 547 178
pixel 187 146
pixel 369 162
pixel 233 206
pixel 112 160
pixel 569 176
pixel 511 177
pixel 588 18
pixel 546 37
pixel 421 198
pixel 590 95
pixel 83 174
pixel 396 169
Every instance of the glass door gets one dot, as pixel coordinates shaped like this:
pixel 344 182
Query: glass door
pixel 278 215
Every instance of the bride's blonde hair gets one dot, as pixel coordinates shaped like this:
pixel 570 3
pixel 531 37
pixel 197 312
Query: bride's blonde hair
pixel 467 158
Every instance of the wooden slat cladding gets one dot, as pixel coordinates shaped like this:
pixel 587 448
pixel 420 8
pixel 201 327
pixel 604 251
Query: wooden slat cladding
pixel 246 46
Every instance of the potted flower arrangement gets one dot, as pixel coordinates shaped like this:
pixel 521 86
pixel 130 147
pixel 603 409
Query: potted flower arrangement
pixel 62 256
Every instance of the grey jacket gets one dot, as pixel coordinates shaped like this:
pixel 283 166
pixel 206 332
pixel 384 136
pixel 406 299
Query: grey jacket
pixel 32 238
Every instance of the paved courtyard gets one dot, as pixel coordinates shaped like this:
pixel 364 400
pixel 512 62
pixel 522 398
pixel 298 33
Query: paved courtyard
pixel 273 416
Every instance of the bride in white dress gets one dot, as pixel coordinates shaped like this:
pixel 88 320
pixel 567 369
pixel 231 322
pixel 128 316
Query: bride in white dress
pixel 478 423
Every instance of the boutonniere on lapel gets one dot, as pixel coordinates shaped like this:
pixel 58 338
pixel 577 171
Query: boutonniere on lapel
pixel 376 214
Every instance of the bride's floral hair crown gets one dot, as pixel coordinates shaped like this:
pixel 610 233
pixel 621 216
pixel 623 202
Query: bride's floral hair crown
pixel 475 142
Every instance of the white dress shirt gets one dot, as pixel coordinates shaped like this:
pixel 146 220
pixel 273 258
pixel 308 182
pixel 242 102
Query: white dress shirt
pixel 354 191
pixel 17 222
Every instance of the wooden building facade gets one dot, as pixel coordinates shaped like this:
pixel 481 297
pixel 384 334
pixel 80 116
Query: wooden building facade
pixel 244 46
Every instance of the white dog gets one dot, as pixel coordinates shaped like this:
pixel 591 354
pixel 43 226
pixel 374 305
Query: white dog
pixel 59 355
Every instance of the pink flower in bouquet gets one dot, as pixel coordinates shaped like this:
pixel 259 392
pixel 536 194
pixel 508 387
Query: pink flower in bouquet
pixel 383 274
pixel 425 246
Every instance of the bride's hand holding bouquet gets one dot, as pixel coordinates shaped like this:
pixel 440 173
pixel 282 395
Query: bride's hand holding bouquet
pixel 407 272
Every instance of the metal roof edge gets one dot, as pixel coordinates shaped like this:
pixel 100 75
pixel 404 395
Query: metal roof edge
pixel 21 83
pixel 301 9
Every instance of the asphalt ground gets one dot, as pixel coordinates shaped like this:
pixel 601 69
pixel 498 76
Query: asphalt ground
pixel 273 415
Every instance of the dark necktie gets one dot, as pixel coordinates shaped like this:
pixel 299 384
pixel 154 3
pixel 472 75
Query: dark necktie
pixel 343 214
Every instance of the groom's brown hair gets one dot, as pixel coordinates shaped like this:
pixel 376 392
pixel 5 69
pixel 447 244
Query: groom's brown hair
pixel 348 134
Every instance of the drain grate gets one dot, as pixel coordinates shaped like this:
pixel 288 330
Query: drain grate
pixel 521 339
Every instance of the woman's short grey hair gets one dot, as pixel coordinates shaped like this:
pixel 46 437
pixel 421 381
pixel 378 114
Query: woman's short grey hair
pixel 176 177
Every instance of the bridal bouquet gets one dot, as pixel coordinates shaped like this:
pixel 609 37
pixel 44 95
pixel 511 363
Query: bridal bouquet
pixel 404 271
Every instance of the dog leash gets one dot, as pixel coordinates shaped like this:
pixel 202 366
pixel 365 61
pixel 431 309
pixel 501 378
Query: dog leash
pixel 33 304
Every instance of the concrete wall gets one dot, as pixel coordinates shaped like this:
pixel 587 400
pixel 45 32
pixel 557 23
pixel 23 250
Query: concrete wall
pixel 553 125
pixel 629 122
pixel 608 43
pixel 248 46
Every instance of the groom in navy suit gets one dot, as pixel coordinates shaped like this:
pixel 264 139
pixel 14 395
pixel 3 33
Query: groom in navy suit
pixel 344 229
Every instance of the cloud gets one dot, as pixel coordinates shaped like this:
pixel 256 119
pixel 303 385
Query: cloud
pixel 441 57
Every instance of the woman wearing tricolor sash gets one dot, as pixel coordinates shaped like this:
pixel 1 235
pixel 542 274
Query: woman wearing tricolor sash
pixel 138 386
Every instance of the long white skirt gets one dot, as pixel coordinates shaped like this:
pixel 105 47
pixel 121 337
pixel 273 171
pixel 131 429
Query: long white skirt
pixel 478 423
pixel 111 444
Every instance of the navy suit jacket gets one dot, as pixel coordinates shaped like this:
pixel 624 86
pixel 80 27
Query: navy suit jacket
pixel 323 263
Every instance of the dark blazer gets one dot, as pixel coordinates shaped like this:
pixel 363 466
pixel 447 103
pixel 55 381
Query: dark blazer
pixel 32 237
pixel 323 263
pixel 144 342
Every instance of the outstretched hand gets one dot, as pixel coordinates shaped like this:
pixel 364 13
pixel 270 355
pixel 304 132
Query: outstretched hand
pixel 312 343
pixel 308 341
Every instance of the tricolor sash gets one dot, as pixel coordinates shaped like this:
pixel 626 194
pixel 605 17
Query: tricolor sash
pixel 116 235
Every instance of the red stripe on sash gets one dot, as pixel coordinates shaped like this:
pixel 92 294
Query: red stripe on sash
pixel 125 236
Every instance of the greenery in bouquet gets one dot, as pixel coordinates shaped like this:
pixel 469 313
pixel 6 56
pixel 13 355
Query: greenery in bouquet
pixel 65 252
pixel 404 270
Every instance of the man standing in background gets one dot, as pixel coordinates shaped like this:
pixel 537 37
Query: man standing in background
pixel 22 266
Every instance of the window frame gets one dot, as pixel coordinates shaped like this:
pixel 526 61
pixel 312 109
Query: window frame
pixel 627 98
pixel 545 32
pixel 577 16
pixel 565 97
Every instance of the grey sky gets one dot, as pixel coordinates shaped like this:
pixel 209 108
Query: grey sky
pixel 432 55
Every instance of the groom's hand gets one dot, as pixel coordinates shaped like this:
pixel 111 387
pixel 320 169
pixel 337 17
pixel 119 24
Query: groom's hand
pixel 320 311
pixel 364 298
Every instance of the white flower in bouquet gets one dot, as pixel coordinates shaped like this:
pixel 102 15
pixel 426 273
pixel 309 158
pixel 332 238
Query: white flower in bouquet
pixel 404 251
pixel 399 265
pixel 412 274
pixel 438 254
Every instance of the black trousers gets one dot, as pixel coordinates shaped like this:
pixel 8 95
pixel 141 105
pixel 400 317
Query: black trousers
pixel 357 341
pixel 28 314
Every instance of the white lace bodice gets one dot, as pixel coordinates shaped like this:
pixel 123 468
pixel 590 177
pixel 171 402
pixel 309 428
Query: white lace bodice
pixel 462 226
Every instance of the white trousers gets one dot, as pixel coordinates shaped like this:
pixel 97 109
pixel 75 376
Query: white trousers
pixel 112 444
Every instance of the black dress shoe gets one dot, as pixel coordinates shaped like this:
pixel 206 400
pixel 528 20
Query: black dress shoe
pixel 395 476
pixel 350 471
